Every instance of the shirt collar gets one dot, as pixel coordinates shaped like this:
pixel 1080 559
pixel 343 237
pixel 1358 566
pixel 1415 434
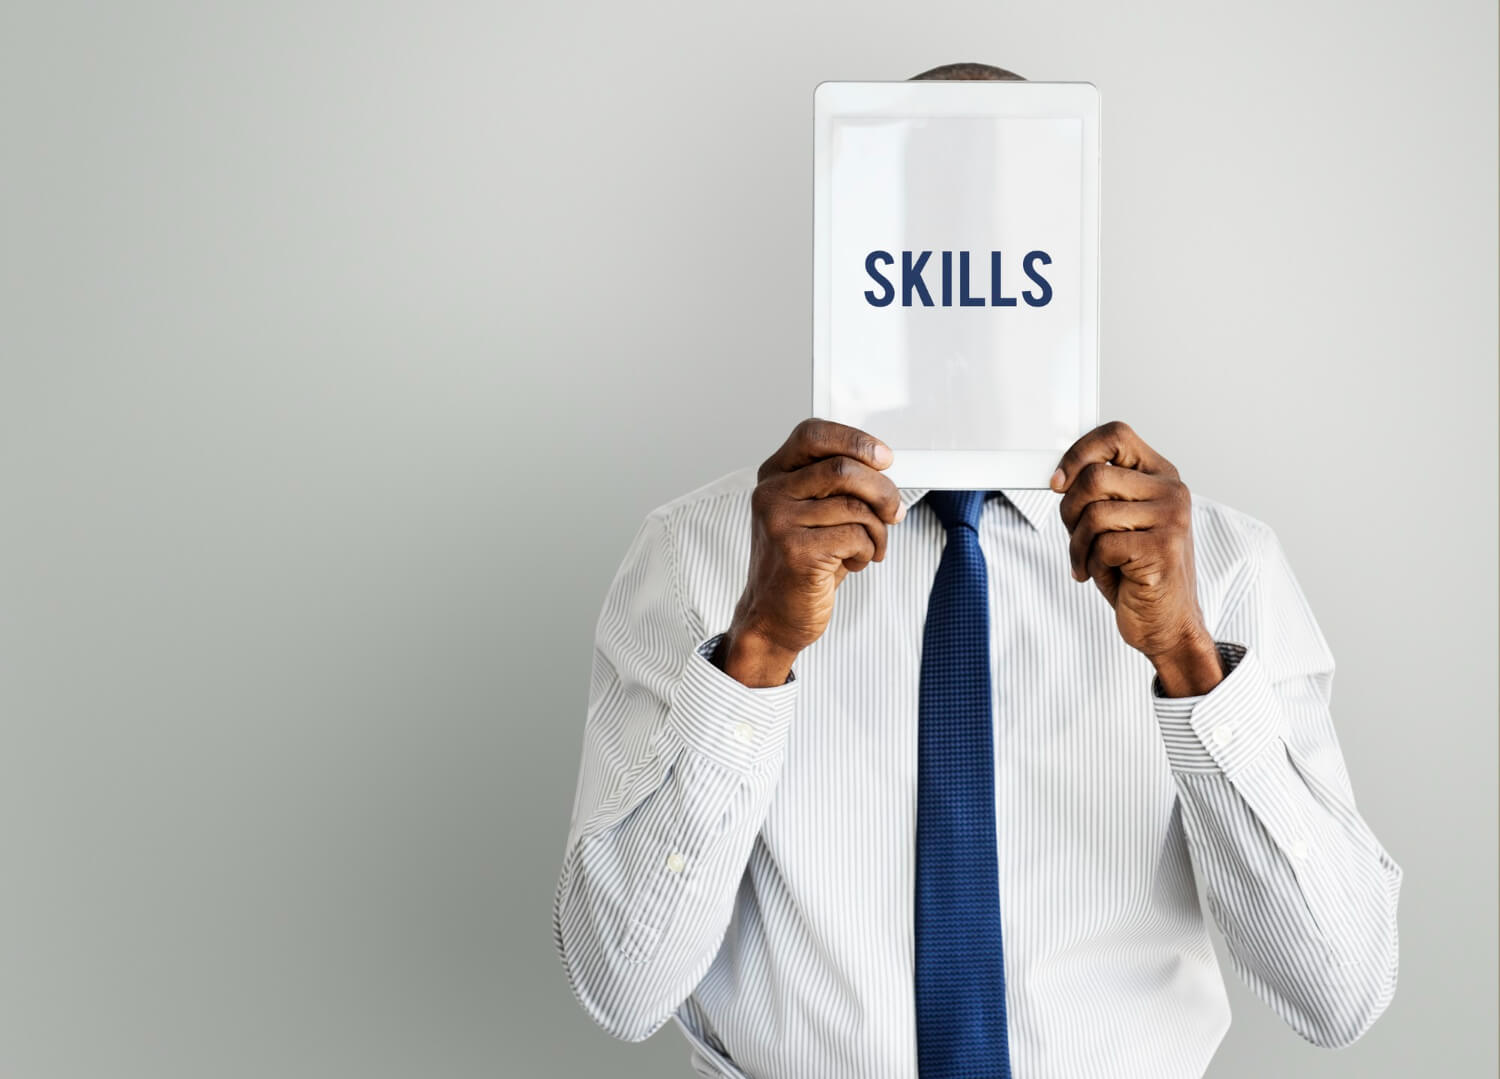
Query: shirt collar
pixel 1037 504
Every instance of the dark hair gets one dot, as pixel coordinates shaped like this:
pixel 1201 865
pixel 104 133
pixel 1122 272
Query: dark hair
pixel 967 71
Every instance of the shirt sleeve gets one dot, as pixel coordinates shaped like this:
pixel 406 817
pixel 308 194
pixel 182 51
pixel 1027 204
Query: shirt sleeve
pixel 678 767
pixel 1302 890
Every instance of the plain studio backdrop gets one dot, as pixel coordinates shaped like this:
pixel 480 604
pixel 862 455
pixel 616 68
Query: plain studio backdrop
pixel 344 347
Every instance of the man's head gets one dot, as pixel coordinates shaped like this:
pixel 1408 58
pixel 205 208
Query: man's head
pixel 968 71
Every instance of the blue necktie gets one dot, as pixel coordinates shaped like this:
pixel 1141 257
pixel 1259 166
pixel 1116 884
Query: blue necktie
pixel 960 967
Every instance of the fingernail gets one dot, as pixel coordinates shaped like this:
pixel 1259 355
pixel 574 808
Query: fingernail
pixel 900 513
pixel 1057 478
pixel 883 454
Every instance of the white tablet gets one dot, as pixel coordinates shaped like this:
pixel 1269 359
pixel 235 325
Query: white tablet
pixel 956 273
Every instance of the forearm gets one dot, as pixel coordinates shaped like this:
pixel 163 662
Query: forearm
pixel 1311 923
pixel 1304 893
pixel 642 908
pixel 648 883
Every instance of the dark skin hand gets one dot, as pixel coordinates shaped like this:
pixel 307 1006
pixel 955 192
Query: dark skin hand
pixel 821 507
pixel 819 512
pixel 1130 519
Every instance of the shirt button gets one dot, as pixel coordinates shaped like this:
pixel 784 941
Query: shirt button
pixel 675 862
pixel 1222 734
pixel 1299 849
pixel 744 732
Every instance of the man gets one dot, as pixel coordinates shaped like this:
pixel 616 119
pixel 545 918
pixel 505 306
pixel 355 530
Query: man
pixel 781 839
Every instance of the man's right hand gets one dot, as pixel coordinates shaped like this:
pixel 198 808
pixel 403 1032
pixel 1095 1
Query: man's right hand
pixel 818 513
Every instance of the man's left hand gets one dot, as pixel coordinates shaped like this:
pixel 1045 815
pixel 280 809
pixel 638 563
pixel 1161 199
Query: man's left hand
pixel 1130 517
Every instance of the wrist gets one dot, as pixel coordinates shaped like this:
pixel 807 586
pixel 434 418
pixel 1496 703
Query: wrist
pixel 1191 669
pixel 750 658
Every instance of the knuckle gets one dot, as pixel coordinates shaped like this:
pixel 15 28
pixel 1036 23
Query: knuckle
pixel 853 535
pixel 811 431
pixel 836 539
pixel 797 544
pixel 760 497
pixel 768 502
pixel 1182 504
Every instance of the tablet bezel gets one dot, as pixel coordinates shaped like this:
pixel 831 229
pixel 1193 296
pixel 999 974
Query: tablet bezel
pixel 962 469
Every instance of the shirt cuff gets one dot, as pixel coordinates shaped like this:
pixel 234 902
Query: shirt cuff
pixel 717 715
pixel 1227 727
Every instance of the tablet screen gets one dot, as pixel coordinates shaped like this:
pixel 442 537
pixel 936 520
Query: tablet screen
pixel 956 279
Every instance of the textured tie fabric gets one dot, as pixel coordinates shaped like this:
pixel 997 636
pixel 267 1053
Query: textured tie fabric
pixel 960 966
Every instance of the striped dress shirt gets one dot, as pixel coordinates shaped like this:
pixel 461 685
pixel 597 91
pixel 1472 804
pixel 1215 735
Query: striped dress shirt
pixel 742 860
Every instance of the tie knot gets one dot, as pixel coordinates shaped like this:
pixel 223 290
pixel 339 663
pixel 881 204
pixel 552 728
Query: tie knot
pixel 957 507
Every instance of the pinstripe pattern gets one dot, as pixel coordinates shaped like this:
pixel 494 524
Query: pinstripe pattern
pixel 742 860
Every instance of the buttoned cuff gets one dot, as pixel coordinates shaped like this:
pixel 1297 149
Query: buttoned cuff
pixel 717 715
pixel 1227 727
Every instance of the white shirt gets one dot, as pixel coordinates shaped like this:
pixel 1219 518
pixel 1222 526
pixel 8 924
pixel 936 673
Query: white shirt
pixel 742 860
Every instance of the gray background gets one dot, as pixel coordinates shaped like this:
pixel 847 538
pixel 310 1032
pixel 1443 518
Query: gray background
pixel 345 345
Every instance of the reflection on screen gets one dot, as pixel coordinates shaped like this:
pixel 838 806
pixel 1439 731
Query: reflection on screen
pixel 993 363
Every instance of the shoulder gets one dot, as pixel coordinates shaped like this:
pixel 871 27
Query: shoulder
pixel 1257 597
pixel 706 532
pixel 1225 524
pixel 710 523
pixel 728 493
pixel 1230 550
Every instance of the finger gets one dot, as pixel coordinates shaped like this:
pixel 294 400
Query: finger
pixel 813 439
pixel 1115 442
pixel 844 475
pixel 1115 550
pixel 1105 481
pixel 1109 515
pixel 849 543
pixel 841 509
